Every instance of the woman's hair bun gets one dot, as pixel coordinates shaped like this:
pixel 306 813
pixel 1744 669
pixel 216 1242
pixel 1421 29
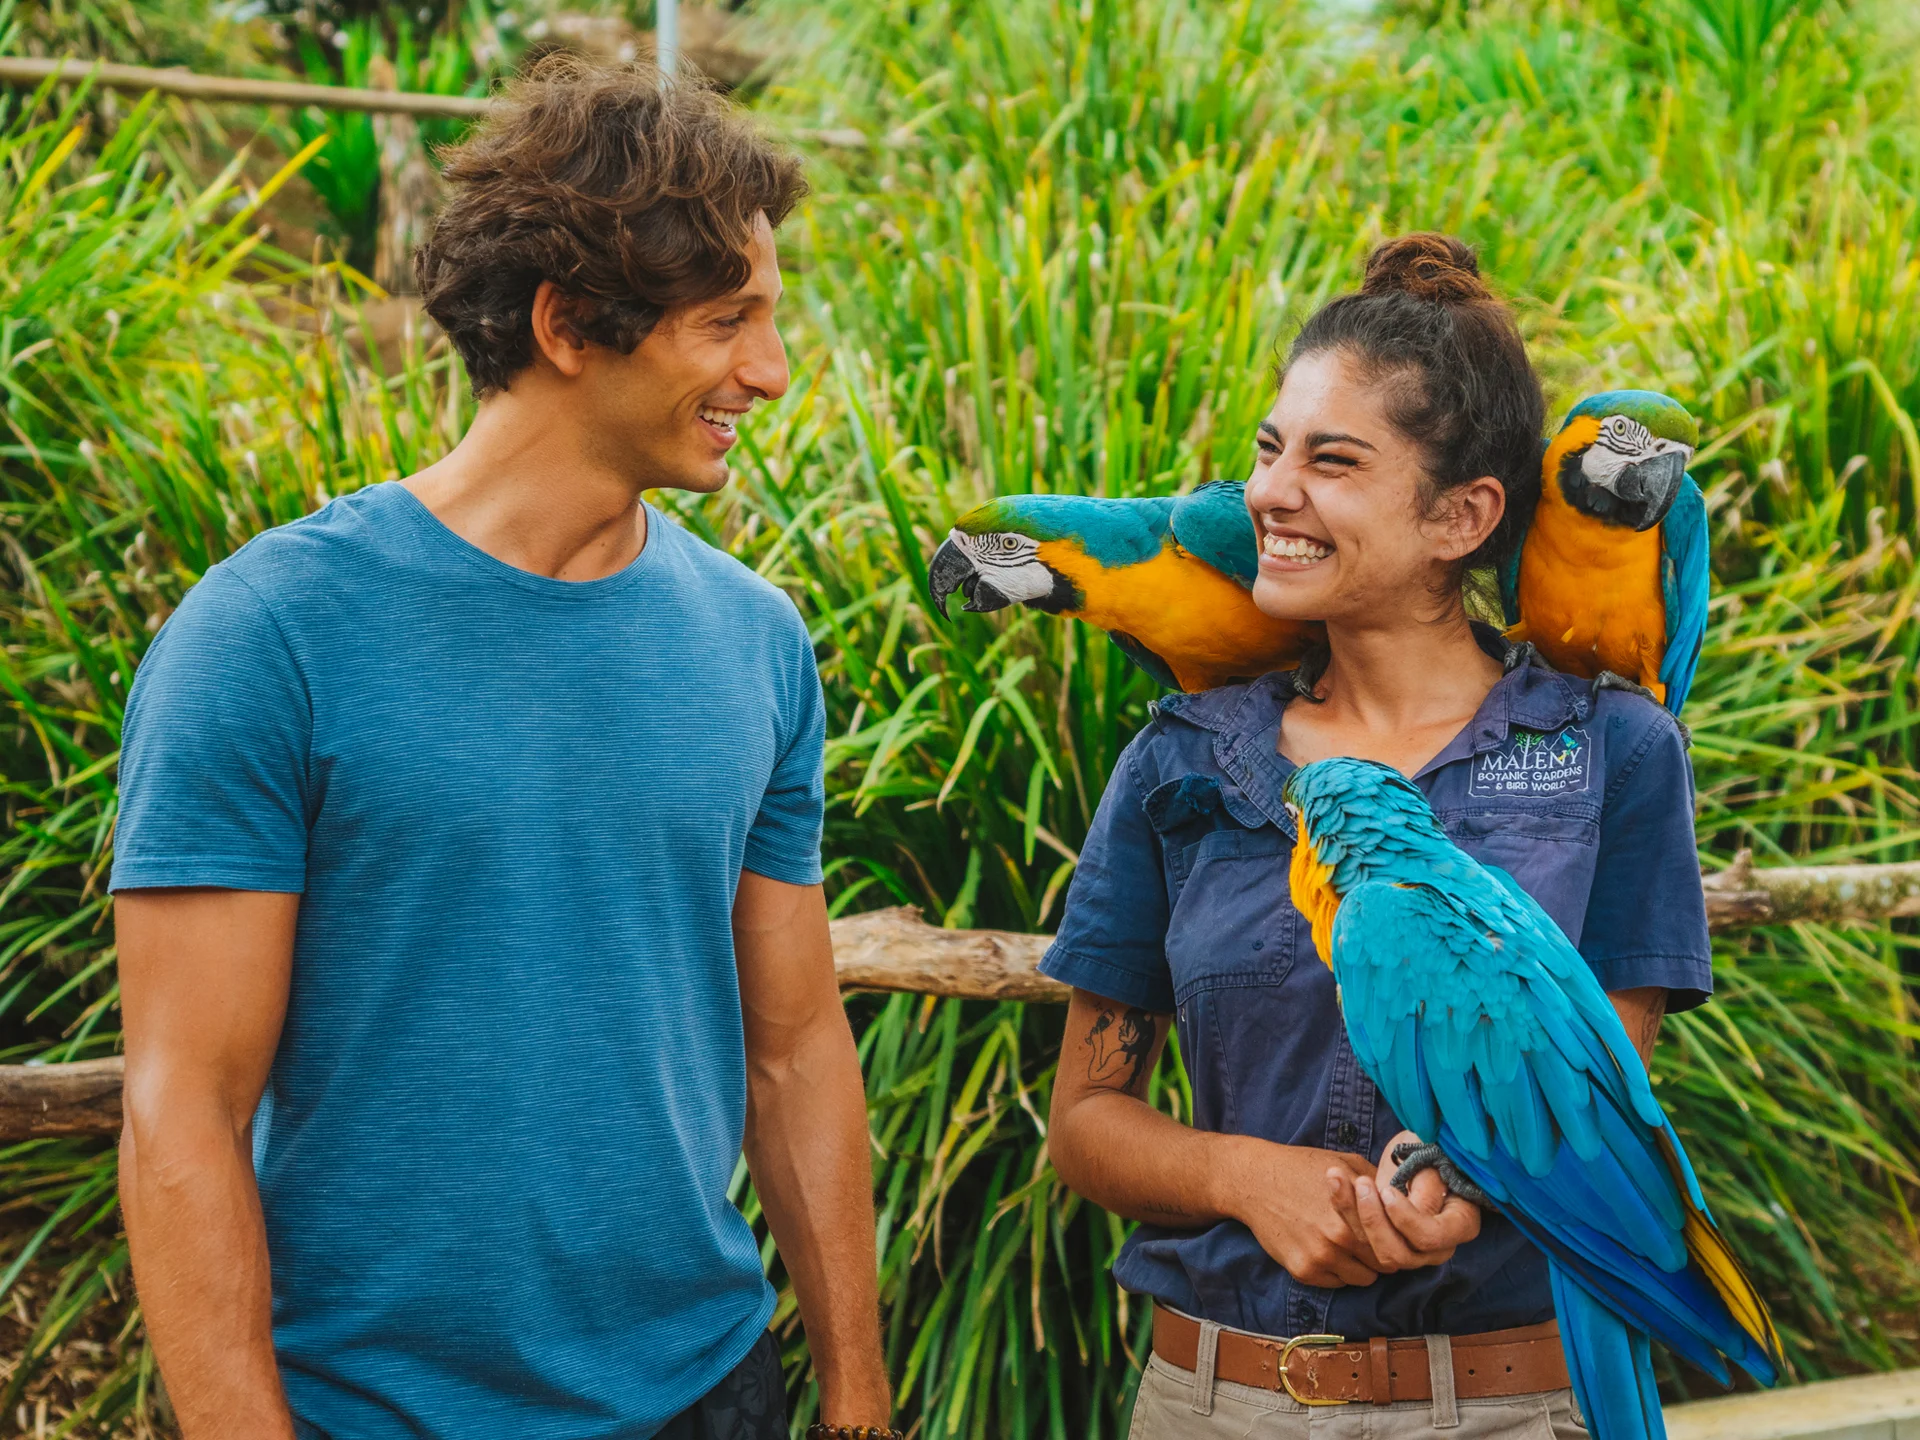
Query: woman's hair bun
pixel 1427 266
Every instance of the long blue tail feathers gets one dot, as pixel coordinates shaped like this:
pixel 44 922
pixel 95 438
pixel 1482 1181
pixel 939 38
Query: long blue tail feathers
pixel 1611 1364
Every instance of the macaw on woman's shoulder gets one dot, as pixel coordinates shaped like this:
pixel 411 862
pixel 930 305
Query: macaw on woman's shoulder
pixel 1168 578
pixel 1613 574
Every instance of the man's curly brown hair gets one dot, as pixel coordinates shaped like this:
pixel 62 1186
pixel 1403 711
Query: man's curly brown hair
pixel 629 191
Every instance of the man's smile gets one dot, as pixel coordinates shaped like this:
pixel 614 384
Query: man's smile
pixel 721 423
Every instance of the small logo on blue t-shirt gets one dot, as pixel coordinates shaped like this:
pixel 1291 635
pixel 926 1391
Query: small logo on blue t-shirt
pixel 1534 764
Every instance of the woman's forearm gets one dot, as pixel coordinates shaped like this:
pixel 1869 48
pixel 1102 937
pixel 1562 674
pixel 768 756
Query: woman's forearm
pixel 1127 1157
pixel 1115 1149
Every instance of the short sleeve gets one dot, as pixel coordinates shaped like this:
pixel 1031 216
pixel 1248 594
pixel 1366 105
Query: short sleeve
pixel 214 751
pixel 1647 914
pixel 784 842
pixel 1113 938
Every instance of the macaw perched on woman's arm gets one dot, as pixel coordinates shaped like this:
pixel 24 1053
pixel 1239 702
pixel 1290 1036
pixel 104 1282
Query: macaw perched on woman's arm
pixel 1613 573
pixel 1491 1039
pixel 1169 578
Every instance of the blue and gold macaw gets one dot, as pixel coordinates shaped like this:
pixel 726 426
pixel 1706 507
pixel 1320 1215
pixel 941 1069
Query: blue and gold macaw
pixel 1167 578
pixel 1613 574
pixel 1492 1040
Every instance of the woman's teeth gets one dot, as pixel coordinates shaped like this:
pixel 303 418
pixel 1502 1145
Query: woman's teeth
pixel 1293 547
pixel 720 419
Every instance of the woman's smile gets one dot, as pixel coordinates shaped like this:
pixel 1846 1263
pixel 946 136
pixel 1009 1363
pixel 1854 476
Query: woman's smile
pixel 1282 549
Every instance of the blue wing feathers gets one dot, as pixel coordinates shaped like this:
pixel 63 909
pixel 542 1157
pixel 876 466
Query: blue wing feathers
pixel 1486 1030
pixel 1212 523
pixel 1676 1306
pixel 1423 1113
pixel 1519 1114
pixel 1610 1365
pixel 1570 1097
pixel 1686 578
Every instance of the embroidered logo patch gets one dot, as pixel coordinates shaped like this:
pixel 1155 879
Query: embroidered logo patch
pixel 1535 765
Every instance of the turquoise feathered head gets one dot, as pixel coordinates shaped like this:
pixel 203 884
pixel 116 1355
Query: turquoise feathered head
pixel 1620 454
pixel 1359 821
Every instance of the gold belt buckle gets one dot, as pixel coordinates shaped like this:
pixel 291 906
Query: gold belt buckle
pixel 1286 1353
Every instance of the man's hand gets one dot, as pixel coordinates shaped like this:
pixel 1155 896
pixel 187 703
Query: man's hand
pixel 1282 1194
pixel 1405 1232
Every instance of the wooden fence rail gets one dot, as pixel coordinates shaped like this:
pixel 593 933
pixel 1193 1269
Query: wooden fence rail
pixel 26 70
pixel 897 950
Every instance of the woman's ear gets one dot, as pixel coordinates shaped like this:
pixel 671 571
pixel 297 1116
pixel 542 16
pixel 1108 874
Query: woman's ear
pixel 1472 512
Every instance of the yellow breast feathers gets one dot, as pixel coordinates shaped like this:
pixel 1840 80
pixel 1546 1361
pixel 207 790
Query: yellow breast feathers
pixel 1203 624
pixel 1313 894
pixel 1587 588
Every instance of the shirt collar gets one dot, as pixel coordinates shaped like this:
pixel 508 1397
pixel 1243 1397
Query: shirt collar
pixel 1245 721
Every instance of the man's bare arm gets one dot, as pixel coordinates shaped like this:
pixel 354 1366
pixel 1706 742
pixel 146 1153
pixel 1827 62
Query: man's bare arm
pixel 808 1147
pixel 203 991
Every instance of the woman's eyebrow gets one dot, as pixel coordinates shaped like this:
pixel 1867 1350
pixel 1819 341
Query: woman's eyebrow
pixel 1268 428
pixel 1329 437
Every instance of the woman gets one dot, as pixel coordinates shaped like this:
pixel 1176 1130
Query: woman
pixel 1401 451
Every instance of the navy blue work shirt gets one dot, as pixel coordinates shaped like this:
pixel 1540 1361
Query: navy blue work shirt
pixel 1181 904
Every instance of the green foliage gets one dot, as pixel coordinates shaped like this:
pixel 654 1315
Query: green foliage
pixel 1070 275
pixel 346 173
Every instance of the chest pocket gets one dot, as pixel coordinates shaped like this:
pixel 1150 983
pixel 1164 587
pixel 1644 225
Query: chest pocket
pixel 1232 921
pixel 1552 853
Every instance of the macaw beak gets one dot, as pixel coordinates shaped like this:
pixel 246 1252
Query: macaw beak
pixel 951 570
pixel 1647 488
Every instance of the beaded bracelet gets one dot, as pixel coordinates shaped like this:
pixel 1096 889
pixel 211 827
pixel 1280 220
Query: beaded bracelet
pixel 818 1431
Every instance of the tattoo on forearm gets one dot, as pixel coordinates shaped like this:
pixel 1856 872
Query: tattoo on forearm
pixel 1121 1045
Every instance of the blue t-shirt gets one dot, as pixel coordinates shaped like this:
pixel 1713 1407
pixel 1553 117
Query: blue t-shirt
pixel 510 1093
pixel 1181 904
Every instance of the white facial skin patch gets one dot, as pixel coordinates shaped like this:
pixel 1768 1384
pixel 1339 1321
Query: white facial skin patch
pixel 1622 442
pixel 1009 563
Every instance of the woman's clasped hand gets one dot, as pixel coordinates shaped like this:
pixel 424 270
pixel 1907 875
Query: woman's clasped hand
pixel 1330 1218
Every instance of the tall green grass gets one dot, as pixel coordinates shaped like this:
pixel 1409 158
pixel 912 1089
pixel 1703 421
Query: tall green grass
pixel 1070 274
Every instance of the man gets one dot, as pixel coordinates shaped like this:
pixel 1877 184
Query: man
pixel 470 831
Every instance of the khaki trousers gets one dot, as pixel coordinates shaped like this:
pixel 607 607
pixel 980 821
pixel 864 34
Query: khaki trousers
pixel 1176 1404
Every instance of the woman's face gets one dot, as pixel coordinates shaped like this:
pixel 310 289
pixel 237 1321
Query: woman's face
pixel 1336 503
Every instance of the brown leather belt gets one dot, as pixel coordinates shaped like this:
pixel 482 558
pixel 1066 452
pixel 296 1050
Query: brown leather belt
pixel 1323 1370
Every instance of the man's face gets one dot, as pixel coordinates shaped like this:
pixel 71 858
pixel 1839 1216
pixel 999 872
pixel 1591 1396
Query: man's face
pixel 672 407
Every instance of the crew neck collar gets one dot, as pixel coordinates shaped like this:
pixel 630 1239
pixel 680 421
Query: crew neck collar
pixel 435 534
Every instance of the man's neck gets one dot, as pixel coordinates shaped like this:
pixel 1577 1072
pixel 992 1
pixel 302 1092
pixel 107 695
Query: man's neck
pixel 529 491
